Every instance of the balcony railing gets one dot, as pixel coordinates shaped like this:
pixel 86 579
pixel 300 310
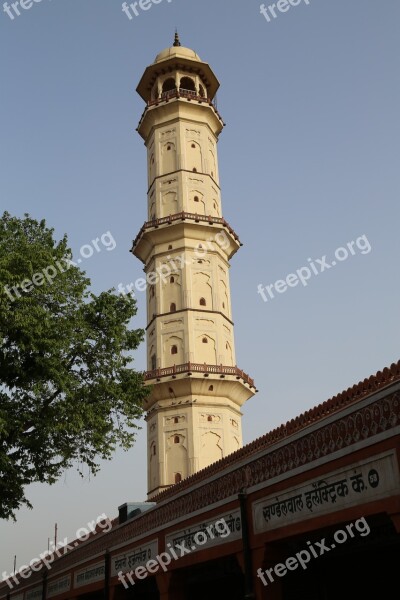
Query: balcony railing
pixel 181 93
pixel 205 369
pixel 182 216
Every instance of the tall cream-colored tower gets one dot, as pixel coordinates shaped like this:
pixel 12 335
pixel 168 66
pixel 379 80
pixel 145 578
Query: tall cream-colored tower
pixel 193 412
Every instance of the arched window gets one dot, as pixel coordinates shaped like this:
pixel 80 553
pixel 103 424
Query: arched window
pixel 178 477
pixel 172 308
pixel 154 450
pixel 176 419
pixel 203 302
pixel 205 340
pixel 169 147
pixel 196 199
pixel 169 85
pixel 193 145
pixel 194 170
pixel 176 439
pixel 187 83
pixel 211 388
pixel 170 247
pixel 174 349
pixel 209 418
pixel 172 280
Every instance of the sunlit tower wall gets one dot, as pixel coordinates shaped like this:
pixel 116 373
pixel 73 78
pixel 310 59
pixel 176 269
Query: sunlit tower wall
pixel 194 409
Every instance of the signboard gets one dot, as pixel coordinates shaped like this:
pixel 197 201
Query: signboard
pixel 193 537
pixel 89 575
pixel 34 594
pixel 358 484
pixel 58 586
pixel 132 559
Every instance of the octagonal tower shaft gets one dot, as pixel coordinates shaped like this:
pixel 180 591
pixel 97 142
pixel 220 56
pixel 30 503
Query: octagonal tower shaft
pixel 193 411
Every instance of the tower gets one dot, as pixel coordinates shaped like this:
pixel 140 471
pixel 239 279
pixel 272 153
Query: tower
pixel 193 411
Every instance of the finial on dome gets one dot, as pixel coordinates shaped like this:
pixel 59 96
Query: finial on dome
pixel 177 41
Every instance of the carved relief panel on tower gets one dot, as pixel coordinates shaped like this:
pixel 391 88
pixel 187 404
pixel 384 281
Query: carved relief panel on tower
pixel 176 456
pixel 171 293
pixel 202 296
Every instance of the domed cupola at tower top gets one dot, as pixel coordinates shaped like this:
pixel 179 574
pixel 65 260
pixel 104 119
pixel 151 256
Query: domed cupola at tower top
pixel 178 71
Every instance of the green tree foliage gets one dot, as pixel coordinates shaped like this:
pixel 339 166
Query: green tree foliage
pixel 68 395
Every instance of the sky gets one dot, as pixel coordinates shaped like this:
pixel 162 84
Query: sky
pixel 309 168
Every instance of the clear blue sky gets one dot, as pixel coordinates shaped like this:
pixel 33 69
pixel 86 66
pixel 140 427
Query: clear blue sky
pixel 309 161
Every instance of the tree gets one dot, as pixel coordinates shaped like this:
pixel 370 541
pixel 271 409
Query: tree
pixel 67 393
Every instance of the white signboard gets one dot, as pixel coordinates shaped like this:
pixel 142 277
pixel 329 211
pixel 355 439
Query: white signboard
pixel 34 594
pixel 132 559
pixel 360 483
pixel 58 586
pixel 194 537
pixel 89 575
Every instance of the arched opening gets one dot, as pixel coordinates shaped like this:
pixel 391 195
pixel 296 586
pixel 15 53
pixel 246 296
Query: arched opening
pixel 168 85
pixel 176 439
pixel 209 418
pixel 178 477
pixel 154 450
pixel 205 340
pixel 201 91
pixel 203 302
pixel 170 247
pixel 194 170
pixel 211 388
pixel 172 280
pixel 174 349
pixel 172 308
pixel 188 84
pixel 196 199
pixel 176 419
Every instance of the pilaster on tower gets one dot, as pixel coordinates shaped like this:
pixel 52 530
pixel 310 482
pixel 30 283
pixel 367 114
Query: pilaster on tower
pixel 193 411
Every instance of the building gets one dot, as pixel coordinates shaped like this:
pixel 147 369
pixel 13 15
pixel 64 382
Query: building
pixel 310 510
pixel 193 412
